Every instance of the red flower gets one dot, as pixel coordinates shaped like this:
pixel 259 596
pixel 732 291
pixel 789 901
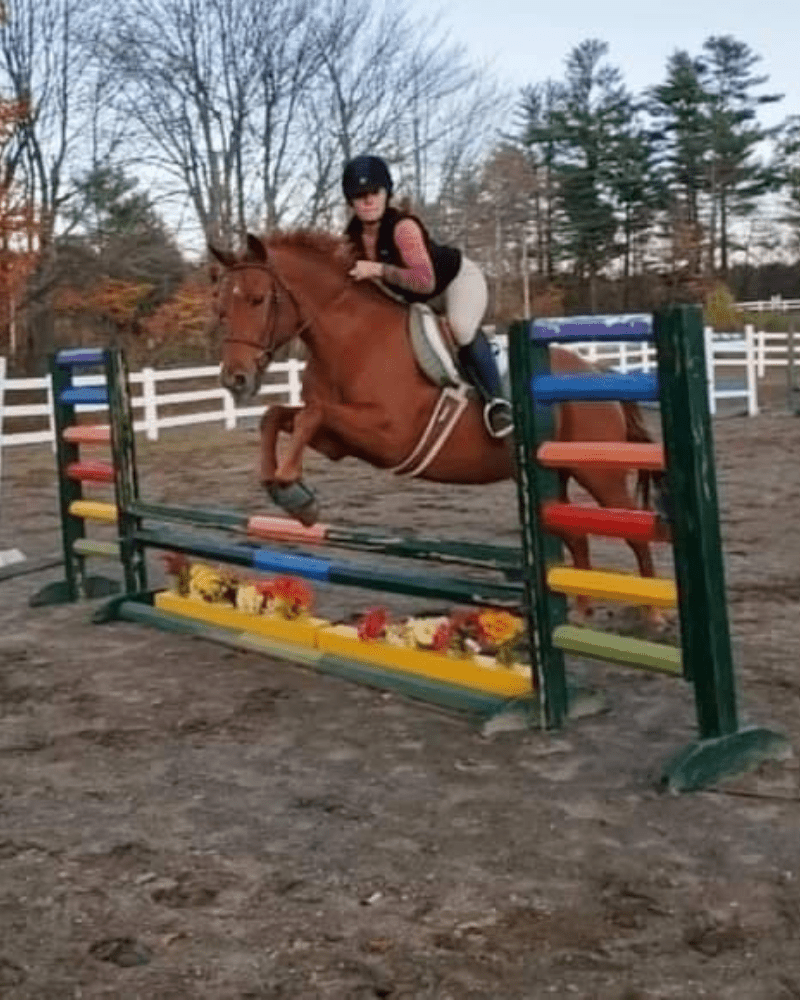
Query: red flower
pixel 373 624
pixel 286 595
pixel 443 637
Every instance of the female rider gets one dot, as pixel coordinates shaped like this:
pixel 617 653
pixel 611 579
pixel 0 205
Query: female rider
pixel 395 247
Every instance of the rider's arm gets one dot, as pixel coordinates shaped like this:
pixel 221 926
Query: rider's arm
pixel 417 273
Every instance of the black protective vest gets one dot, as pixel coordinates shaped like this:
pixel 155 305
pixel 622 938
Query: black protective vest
pixel 446 260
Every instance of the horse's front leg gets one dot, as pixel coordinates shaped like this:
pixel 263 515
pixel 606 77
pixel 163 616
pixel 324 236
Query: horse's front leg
pixel 276 420
pixel 306 424
pixel 283 479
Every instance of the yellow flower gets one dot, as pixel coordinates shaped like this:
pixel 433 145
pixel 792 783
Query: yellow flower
pixel 205 582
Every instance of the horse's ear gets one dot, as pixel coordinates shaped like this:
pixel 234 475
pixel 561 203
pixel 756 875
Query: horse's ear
pixel 255 249
pixel 225 257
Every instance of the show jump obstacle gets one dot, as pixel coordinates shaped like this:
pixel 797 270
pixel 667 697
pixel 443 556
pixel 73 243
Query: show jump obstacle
pixel 539 584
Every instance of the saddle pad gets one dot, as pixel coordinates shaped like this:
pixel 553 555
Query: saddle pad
pixel 429 347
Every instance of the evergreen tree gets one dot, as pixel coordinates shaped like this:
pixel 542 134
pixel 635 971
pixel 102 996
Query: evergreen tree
pixel 595 111
pixel 639 195
pixel 539 135
pixel 679 109
pixel 787 169
pixel 115 231
pixel 738 176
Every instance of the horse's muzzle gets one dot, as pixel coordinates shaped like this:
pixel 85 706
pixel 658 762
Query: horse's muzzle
pixel 241 385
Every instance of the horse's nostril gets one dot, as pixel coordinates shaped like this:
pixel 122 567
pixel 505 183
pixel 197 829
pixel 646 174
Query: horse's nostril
pixel 239 381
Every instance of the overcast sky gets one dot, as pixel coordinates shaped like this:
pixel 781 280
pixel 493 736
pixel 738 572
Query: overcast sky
pixel 525 41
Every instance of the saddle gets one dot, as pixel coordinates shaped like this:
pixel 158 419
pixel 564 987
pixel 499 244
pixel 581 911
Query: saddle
pixel 433 345
pixel 435 349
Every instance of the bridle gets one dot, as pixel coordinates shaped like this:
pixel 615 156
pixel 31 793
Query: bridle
pixel 267 345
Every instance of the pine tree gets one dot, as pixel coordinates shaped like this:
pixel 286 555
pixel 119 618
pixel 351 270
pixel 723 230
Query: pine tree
pixel 737 174
pixel 595 111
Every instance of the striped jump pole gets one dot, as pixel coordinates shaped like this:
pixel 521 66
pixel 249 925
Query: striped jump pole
pixel 723 747
pixel 77 473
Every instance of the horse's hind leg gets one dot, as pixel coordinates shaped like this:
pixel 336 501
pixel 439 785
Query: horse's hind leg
pixel 578 546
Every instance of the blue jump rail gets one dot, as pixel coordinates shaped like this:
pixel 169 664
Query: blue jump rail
pixel 88 395
pixel 633 387
pixel 635 327
pixel 81 357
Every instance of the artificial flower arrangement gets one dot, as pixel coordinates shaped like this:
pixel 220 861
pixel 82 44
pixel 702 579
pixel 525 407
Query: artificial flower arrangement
pixel 462 634
pixel 485 631
pixel 283 596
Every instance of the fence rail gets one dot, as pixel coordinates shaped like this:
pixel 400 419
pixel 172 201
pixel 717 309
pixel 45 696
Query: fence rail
pixel 776 304
pixel 179 397
pixel 157 403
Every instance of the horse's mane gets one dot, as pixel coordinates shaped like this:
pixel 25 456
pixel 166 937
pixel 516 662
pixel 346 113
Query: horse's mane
pixel 331 247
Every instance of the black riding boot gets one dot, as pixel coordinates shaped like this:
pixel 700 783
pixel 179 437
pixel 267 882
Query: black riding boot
pixel 479 365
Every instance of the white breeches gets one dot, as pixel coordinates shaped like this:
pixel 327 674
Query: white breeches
pixel 464 301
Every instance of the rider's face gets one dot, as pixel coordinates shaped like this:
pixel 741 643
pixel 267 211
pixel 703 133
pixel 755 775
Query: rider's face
pixel 370 206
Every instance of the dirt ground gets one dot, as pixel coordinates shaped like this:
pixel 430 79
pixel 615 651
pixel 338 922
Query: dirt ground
pixel 180 820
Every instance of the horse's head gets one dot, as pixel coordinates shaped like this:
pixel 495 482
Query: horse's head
pixel 256 314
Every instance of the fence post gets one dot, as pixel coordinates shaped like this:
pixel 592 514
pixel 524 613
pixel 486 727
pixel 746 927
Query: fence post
pixel 711 374
pixel 51 414
pixel 228 410
pixel 792 392
pixel 2 404
pixel 750 372
pixel 762 353
pixel 150 404
pixel 295 385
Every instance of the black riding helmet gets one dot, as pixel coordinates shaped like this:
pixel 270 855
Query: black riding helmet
pixel 364 174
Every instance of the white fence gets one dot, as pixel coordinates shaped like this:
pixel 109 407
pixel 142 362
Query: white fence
pixel 178 397
pixel 774 305
pixel 734 362
pixel 156 404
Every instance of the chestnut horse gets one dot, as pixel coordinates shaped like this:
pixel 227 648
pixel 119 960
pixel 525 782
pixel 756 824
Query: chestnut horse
pixel 364 394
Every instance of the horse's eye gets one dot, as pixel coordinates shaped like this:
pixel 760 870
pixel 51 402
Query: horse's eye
pixel 258 300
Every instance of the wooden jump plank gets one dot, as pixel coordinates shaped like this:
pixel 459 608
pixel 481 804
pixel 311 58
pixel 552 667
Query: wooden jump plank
pixel 622 587
pixel 87 433
pixel 613 522
pixel 94 510
pixel 633 386
pixel 96 548
pixel 90 471
pixel 611 454
pixel 620 649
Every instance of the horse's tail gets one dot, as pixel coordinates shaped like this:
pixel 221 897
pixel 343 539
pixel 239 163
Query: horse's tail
pixel 637 432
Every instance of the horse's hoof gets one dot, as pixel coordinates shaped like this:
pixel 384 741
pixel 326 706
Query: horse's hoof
pixel 297 500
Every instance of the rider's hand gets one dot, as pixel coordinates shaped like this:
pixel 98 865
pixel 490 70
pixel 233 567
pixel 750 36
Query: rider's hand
pixel 367 269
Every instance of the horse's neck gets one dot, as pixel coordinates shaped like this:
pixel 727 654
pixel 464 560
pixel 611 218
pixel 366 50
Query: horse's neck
pixel 344 318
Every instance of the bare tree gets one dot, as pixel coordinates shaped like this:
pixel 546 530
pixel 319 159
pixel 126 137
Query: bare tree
pixel 190 69
pixel 46 66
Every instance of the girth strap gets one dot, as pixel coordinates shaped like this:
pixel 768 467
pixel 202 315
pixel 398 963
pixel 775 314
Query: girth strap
pixel 448 410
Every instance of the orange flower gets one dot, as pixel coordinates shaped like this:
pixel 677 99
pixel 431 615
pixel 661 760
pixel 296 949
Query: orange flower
pixel 498 627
